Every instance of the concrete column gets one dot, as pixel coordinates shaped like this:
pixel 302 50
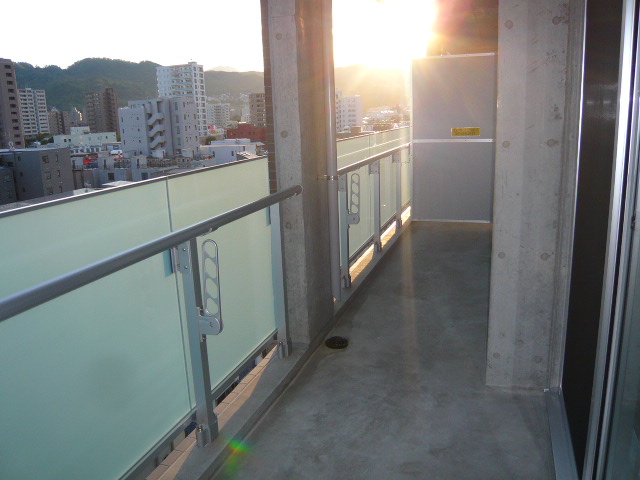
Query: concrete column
pixel 298 83
pixel 536 136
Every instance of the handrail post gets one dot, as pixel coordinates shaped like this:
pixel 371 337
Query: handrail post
pixel 344 232
pixel 187 265
pixel 374 169
pixel 397 160
pixel 280 309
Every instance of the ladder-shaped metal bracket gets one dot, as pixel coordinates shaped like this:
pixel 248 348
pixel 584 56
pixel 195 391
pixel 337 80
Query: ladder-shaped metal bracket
pixel 353 218
pixel 211 308
pixel 206 299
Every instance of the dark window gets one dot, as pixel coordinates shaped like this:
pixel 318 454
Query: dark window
pixel 45 159
pixel 144 176
pixel 111 176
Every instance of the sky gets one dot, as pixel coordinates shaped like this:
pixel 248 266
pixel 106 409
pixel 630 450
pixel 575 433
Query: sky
pixel 215 33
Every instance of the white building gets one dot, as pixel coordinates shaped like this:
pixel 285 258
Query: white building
pixel 33 111
pixel 229 150
pixel 185 81
pixel 81 140
pixel 160 126
pixel 348 111
pixel 218 114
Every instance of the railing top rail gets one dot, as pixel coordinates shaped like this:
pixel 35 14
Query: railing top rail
pixel 32 297
pixel 368 134
pixel 373 158
pixel 27 206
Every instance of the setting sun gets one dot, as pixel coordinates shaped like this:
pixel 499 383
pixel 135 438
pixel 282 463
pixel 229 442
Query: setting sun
pixel 382 33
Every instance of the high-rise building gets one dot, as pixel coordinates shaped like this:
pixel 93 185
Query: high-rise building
pixel 33 112
pixel 348 111
pixel 101 114
pixel 76 119
pixel 159 125
pixel 59 122
pixel 257 110
pixel 10 126
pixel 218 114
pixel 185 81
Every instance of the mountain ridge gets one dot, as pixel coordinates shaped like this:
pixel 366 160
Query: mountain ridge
pixel 65 88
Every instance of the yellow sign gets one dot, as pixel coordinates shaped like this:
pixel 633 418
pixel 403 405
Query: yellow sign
pixel 465 132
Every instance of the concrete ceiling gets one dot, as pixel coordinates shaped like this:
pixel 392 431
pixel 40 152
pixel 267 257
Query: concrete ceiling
pixel 465 26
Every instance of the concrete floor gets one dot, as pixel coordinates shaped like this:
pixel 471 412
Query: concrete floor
pixel 406 399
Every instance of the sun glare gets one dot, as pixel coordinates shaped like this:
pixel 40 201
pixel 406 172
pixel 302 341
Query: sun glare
pixel 382 33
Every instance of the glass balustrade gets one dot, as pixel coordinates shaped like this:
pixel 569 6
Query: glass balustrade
pixel 374 194
pixel 93 380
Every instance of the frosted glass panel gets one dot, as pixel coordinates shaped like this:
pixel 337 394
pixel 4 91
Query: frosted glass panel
pixel 244 255
pixel 41 244
pixel 92 380
pixel 352 150
pixel 388 188
pixel 361 233
pixel 359 148
pixel 407 171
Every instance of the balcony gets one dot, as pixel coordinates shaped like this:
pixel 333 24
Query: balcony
pixel 118 378
pixel 156 117
pixel 157 141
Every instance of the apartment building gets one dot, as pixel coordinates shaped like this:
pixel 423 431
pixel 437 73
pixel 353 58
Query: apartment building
pixel 257 110
pixel 59 122
pixel 10 127
pixel 101 114
pixel 39 172
pixel 185 80
pixel 348 111
pixel 160 126
pixel 33 112
pixel 218 114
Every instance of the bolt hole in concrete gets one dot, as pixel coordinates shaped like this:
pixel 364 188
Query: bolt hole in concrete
pixel 337 343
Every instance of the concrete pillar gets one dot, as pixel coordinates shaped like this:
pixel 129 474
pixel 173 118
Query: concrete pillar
pixel 297 80
pixel 536 137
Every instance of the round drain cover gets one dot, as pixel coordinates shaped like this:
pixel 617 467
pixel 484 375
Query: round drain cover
pixel 337 343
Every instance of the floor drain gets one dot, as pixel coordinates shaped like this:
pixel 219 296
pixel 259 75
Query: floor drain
pixel 337 343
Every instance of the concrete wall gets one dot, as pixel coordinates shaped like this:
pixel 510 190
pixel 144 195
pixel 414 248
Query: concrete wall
pixel 536 142
pixel 298 80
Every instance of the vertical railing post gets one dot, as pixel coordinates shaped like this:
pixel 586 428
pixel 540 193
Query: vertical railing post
pixel 397 160
pixel 344 232
pixel 374 169
pixel 284 340
pixel 187 265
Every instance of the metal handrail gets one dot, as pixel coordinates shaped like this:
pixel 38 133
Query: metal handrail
pixel 32 297
pixel 373 158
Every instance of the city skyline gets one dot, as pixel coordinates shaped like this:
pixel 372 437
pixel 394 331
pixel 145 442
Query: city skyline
pixel 377 33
